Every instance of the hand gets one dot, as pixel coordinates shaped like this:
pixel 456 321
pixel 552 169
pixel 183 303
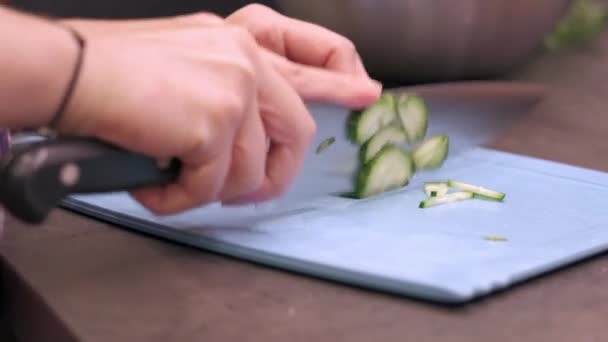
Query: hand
pixel 320 64
pixel 203 93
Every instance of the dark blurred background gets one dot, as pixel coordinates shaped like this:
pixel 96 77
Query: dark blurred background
pixel 407 41
pixel 130 8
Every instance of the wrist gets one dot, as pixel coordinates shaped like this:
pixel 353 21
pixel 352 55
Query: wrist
pixel 73 80
pixel 37 70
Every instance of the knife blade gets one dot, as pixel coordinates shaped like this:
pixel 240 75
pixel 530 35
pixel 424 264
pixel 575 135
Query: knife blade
pixel 36 176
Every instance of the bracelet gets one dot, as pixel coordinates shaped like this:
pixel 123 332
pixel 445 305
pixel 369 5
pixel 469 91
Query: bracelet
pixel 73 80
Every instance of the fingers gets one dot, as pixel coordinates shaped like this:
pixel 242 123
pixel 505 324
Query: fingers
pixel 299 41
pixel 316 84
pixel 197 184
pixel 248 157
pixel 290 128
pixel 223 137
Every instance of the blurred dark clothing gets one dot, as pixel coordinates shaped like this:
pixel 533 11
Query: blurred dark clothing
pixel 130 8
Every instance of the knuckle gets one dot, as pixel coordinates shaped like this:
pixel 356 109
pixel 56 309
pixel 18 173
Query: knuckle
pixel 231 110
pixel 242 36
pixel 203 18
pixel 202 140
pixel 234 104
pixel 256 9
pixel 347 46
pixel 246 76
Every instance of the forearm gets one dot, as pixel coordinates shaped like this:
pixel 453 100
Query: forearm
pixel 36 61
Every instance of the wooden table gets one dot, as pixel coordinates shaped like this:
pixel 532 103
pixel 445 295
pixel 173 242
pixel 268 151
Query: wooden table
pixel 76 277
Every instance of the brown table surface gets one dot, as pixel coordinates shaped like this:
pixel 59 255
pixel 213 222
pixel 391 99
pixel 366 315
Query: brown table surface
pixel 77 277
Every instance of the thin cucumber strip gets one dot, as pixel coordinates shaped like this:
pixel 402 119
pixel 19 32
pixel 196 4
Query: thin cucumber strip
pixel 413 115
pixel 390 169
pixel 436 189
pixel 495 238
pixel 365 123
pixel 325 144
pixel 431 153
pixel 478 191
pixel 445 199
pixel 392 134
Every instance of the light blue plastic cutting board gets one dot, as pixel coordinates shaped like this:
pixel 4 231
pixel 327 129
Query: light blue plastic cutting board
pixel 553 214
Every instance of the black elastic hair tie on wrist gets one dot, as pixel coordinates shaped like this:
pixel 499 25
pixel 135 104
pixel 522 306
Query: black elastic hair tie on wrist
pixel 73 79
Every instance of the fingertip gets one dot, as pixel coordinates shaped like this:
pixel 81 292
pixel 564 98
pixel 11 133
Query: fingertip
pixel 364 93
pixel 265 193
pixel 150 198
pixel 163 200
pixel 375 87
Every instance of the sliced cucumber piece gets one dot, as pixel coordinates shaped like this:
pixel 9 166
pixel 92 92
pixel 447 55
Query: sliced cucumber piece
pixel 389 169
pixel 495 238
pixel 478 191
pixel 436 189
pixel 366 123
pixel 431 153
pixel 447 198
pixel 325 144
pixel 413 114
pixel 392 134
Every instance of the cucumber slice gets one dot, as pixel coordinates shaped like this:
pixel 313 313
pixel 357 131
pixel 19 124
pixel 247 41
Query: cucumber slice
pixel 389 169
pixel 392 134
pixel 445 199
pixel 436 189
pixel 366 123
pixel 325 144
pixel 413 114
pixel 431 153
pixel 478 191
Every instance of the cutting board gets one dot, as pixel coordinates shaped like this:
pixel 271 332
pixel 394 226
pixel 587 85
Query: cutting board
pixel 552 215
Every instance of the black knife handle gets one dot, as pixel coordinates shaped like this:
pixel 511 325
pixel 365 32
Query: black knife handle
pixel 36 177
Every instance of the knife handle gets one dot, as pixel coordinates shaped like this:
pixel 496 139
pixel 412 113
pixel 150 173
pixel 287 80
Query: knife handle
pixel 36 177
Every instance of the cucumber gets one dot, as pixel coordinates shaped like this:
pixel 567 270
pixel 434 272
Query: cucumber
pixel 435 189
pixel 325 144
pixel 413 115
pixel 431 153
pixel 365 123
pixel 389 169
pixel 495 238
pixel 392 134
pixel 478 191
pixel 447 198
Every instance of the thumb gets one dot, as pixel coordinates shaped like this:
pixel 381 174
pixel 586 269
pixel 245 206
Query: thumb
pixel 322 85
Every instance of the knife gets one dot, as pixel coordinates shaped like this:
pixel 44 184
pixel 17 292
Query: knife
pixel 36 176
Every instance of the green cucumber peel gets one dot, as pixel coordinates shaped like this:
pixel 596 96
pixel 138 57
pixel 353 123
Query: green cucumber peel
pixel 478 191
pixel 392 134
pixel 445 199
pixel 414 117
pixel 433 189
pixel 364 124
pixel 325 144
pixel 389 169
pixel 432 153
